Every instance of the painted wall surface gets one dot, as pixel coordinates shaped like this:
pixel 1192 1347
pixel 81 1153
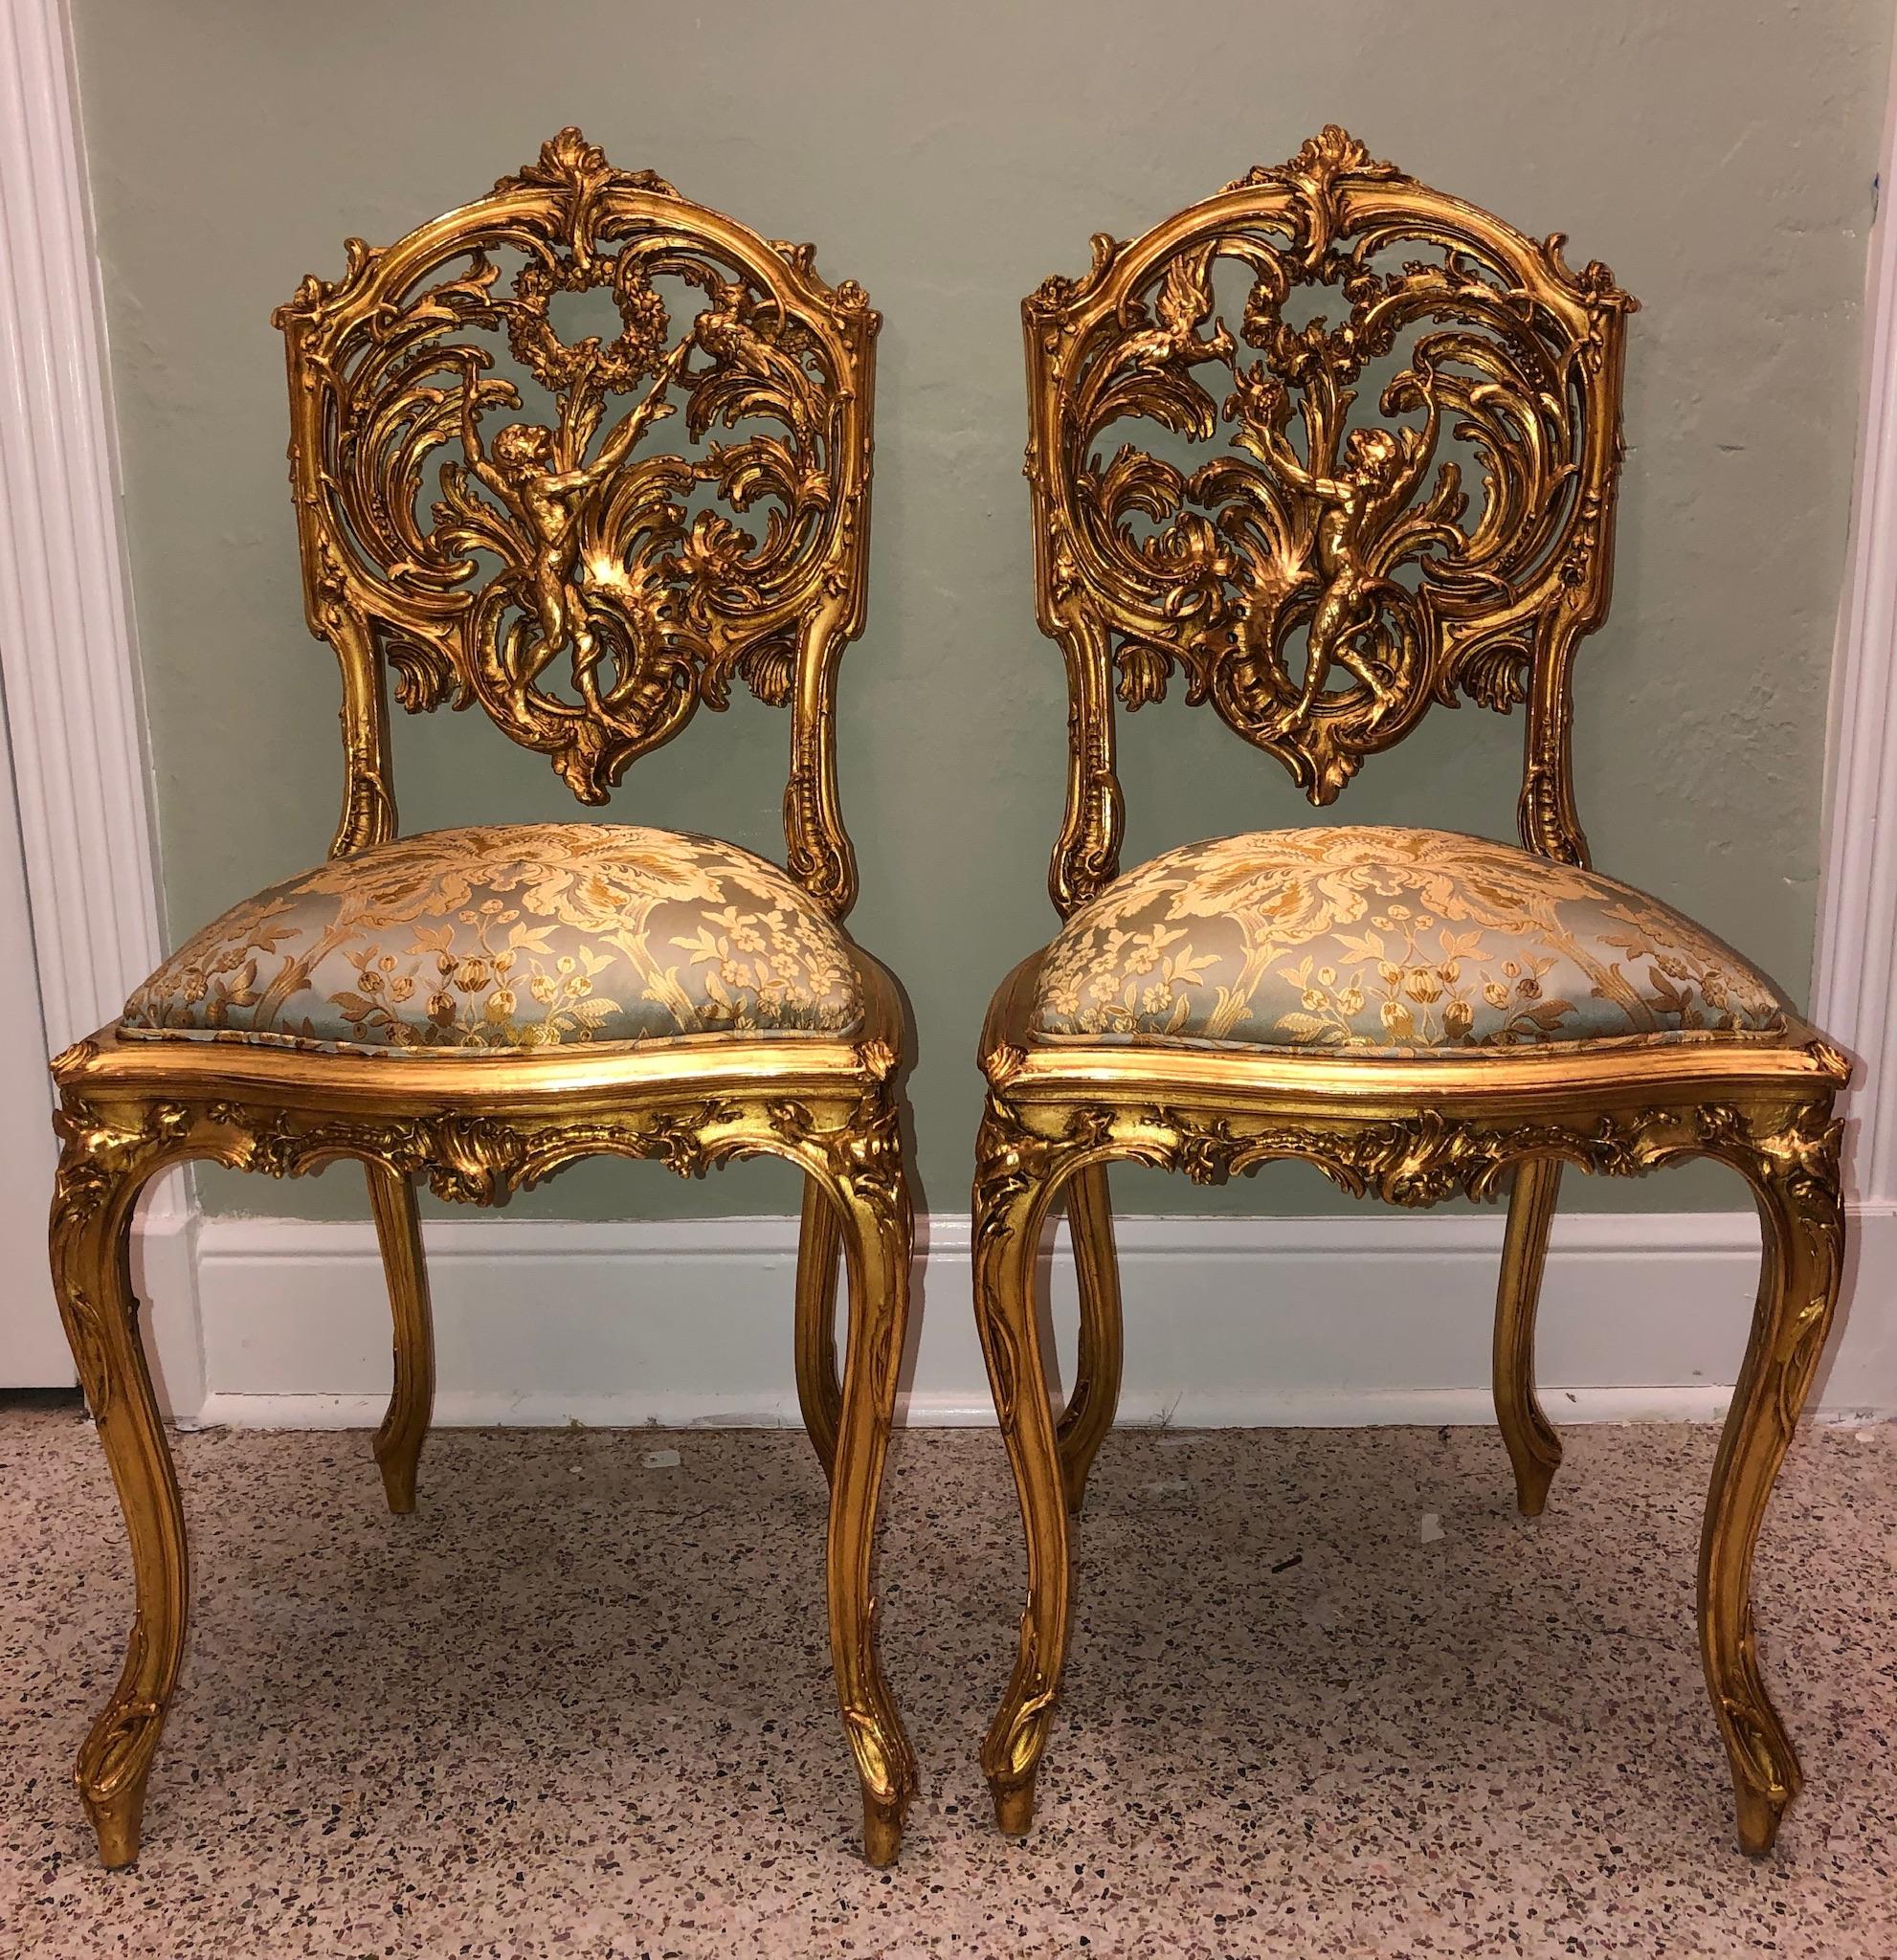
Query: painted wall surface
pixel 1719 156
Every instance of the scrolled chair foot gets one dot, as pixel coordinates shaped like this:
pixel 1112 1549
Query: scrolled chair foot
pixel 398 1485
pixel 117 1822
pixel 1533 1480
pixel 882 1828
pixel 1014 1807
pixel 1760 1813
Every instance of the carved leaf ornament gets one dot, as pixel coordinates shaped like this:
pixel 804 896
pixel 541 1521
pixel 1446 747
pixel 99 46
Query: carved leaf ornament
pixel 585 586
pixel 1345 555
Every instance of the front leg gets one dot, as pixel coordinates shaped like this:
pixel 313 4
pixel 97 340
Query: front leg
pixel 1795 1179
pixel 93 1197
pixel 1014 1183
pixel 874 1212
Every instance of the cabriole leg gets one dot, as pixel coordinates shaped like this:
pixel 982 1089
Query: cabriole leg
pixel 1012 1193
pixel 398 1443
pixel 1098 1356
pixel 877 1229
pixel 819 1393
pixel 1793 1174
pixel 91 1255
pixel 1534 1449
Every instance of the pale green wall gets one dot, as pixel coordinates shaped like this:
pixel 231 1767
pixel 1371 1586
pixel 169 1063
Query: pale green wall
pixel 1719 156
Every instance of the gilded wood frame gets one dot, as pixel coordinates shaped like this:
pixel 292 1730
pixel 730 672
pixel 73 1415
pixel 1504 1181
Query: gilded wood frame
pixel 685 604
pixel 478 1130
pixel 1498 611
pixel 682 606
pixel 1411 1131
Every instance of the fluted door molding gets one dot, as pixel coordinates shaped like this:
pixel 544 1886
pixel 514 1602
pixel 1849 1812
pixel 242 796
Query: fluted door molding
pixel 67 653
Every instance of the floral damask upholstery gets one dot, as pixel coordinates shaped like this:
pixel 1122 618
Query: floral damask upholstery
pixel 1406 941
pixel 508 938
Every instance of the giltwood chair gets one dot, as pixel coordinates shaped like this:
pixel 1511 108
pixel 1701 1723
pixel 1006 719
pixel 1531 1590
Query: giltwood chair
pixel 483 1007
pixel 1415 1013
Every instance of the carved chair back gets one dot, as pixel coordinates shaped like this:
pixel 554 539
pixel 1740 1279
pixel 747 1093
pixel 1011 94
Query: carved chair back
pixel 587 590
pixel 1321 578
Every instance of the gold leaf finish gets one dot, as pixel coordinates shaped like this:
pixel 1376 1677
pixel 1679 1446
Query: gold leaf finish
pixel 1321 581
pixel 475 1010
pixel 1418 1015
pixel 478 1129
pixel 634 582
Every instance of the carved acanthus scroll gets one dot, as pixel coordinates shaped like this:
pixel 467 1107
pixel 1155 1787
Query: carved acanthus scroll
pixel 588 588
pixel 1326 574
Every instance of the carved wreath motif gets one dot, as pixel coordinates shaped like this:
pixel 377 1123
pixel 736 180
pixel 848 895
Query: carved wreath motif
pixel 487 556
pixel 1323 578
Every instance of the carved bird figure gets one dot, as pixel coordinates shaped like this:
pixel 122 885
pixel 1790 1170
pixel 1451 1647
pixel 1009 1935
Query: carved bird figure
pixel 1183 301
pixel 722 332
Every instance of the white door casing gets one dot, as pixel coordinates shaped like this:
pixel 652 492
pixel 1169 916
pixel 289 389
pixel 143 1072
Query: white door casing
pixel 66 646
pixel 32 1350
pixel 1854 979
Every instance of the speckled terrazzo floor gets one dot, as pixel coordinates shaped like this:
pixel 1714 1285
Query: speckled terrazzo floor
pixel 577 1707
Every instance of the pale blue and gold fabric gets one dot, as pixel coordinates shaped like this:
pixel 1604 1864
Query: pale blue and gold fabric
pixel 1405 942
pixel 511 938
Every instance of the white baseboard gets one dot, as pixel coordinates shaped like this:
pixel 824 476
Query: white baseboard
pixel 1368 1318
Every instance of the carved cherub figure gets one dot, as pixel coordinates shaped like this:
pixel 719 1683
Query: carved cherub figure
pixel 1378 473
pixel 551 503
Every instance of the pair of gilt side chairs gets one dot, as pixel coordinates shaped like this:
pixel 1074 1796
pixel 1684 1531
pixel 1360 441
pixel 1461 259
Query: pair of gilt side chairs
pixel 1418 1013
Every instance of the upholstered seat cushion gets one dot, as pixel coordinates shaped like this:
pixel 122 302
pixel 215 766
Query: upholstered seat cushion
pixel 511 938
pixel 1402 942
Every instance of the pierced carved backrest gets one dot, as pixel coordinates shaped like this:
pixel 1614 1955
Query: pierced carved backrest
pixel 1330 447
pixel 587 586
